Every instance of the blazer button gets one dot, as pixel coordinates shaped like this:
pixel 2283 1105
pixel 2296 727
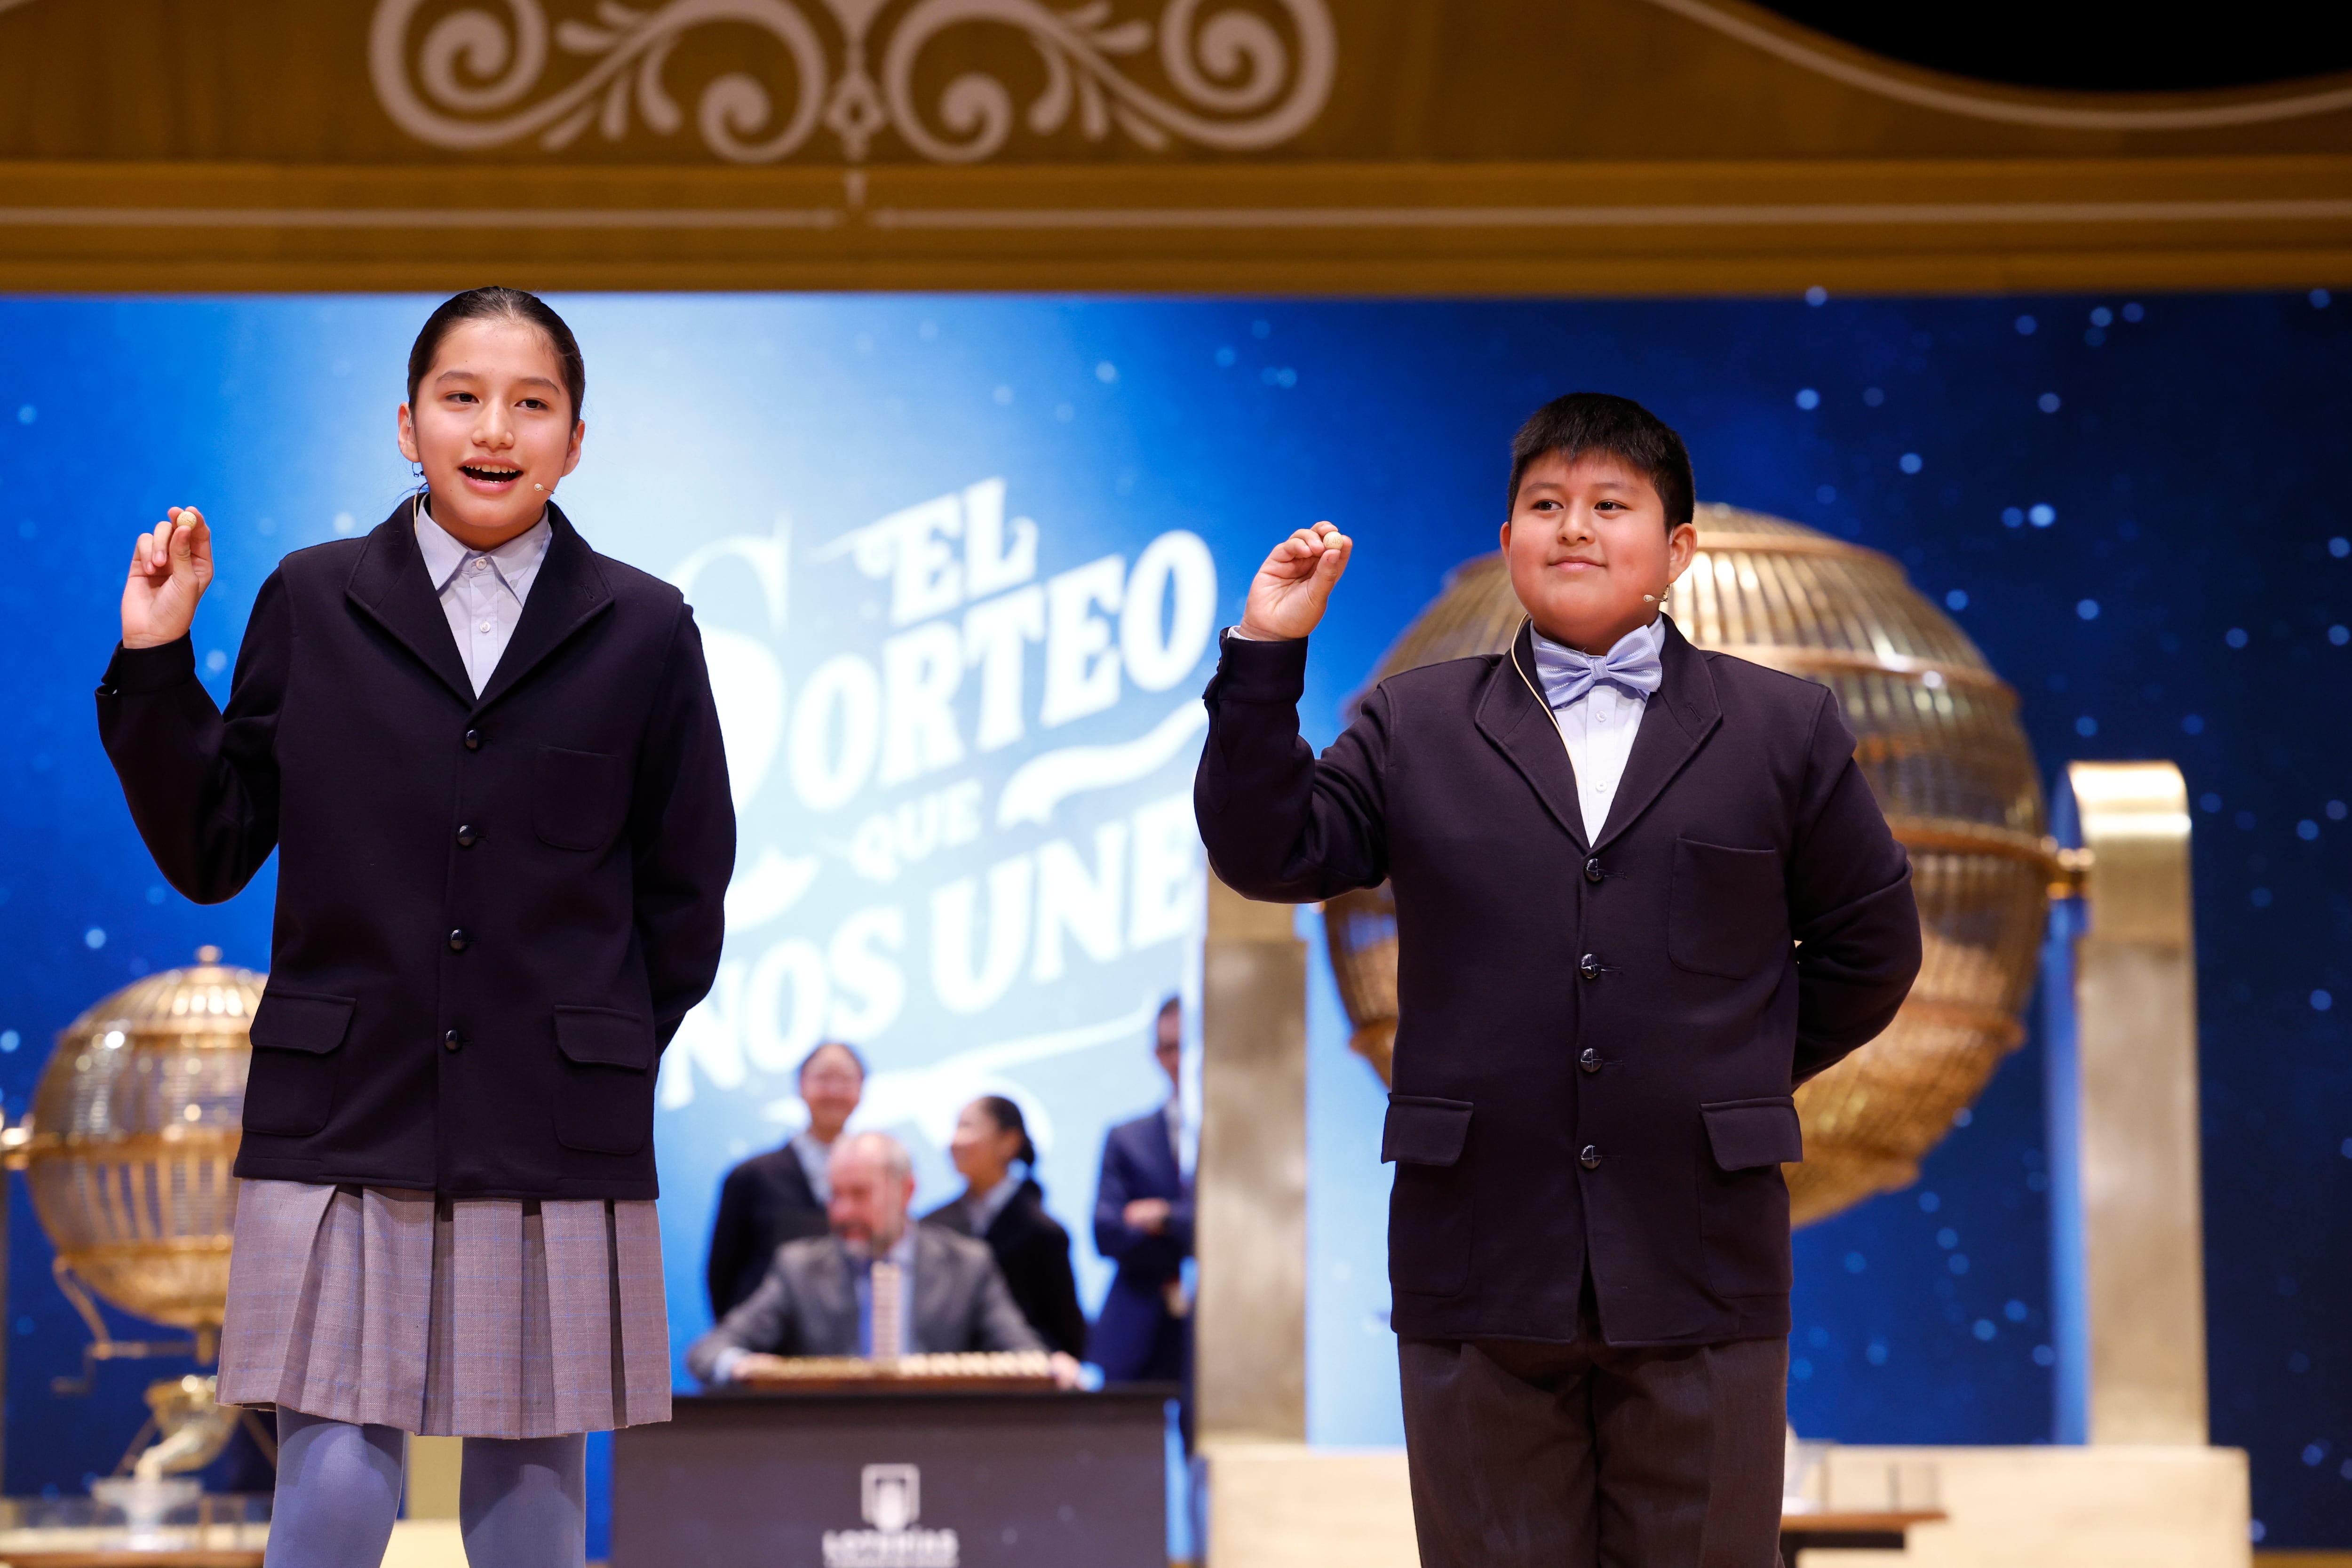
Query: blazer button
pixel 457 939
pixel 453 1039
pixel 1593 869
pixel 1590 967
pixel 473 740
pixel 1589 1158
pixel 1591 1060
pixel 465 835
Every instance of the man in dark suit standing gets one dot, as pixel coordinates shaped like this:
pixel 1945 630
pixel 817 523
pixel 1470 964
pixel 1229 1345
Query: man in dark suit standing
pixel 781 1196
pixel 1143 1222
pixel 1642 893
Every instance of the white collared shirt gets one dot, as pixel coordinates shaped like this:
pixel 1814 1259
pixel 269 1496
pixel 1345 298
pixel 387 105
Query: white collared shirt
pixel 982 1208
pixel 816 1163
pixel 481 590
pixel 1598 729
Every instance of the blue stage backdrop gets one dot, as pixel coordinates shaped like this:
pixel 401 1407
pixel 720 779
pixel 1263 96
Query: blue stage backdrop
pixel 959 563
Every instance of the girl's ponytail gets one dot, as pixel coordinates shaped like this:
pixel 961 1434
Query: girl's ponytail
pixel 1008 1119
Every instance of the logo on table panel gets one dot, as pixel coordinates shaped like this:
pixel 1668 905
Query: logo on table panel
pixel 891 1497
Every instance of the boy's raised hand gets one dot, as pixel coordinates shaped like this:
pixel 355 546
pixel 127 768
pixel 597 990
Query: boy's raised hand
pixel 1288 596
pixel 170 568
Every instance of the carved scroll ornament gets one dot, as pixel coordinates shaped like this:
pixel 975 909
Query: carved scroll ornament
pixel 477 77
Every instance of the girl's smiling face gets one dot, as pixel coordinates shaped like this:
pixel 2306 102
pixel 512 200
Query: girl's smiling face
pixel 494 429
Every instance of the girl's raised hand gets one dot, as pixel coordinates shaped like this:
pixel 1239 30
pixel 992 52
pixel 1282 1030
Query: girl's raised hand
pixel 1288 596
pixel 170 568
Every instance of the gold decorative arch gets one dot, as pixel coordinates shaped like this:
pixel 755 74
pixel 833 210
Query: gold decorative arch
pixel 1314 146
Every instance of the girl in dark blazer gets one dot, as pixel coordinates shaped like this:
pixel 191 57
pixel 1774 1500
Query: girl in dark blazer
pixel 1006 1209
pixel 488 762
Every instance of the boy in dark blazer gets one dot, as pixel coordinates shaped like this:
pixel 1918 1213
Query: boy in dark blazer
pixel 1642 893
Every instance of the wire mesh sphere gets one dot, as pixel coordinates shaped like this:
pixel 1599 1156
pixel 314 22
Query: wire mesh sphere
pixel 133 1130
pixel 1936 734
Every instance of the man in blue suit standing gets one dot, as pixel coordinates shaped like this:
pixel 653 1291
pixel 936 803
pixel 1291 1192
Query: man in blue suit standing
pixel 1143 1222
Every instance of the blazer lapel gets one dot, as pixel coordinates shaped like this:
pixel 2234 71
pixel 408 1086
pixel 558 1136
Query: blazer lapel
pixel 830 1313
pixel 933 1326
pixel 568 593
pixel 1676 722
pixel 1515 718
pixel 391 587
pixel 1158 1153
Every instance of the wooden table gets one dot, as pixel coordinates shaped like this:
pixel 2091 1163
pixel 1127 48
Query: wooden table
pixel 1848 1530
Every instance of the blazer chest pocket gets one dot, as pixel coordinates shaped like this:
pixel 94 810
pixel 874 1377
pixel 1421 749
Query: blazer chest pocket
pixel 1745 1220
pixel 604 1102
pixel 1728 910
pixel 1430 1208
pixel 298 1039
pixel 577 798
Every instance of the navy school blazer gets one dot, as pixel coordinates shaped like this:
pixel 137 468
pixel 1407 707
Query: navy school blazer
pixel 1600 1036
pixel 493 911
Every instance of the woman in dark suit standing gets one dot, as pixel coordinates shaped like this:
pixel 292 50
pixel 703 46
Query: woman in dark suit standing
pixel 1003 1205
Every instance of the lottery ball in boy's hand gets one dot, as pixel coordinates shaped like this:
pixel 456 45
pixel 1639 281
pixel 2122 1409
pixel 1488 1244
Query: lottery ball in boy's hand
pixel 1288 596
pixel 171 567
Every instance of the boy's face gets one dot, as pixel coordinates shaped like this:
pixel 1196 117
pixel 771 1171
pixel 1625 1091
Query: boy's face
pixel 1585 541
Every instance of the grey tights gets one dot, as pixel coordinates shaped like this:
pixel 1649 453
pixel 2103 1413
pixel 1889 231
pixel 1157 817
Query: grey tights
pixel 522 1503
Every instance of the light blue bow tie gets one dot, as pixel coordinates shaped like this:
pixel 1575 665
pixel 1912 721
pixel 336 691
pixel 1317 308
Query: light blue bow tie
pixel 1631 667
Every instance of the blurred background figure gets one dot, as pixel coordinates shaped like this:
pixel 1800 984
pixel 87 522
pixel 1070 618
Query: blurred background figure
pixel 1143 1221
pixel 1003 1205
pixel 876 1286
pixel 781 1196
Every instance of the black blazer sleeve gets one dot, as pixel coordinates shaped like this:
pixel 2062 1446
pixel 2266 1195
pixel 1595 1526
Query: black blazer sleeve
pixel 996 1321
pixel 1121 1182
pixel 202 785
pixel 682 830
pixel 1850 905
pixel 1036 1265
pixel 734 1237
pixel 1279 823
pixel 1114 1238
pixel 1059 1316
pixel 762 1322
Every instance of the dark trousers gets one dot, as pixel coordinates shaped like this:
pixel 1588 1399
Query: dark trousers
pixel 1582 1456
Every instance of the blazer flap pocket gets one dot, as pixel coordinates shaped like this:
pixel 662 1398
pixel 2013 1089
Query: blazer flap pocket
pixel 290 1021
pixel 604 1038
pixel 1423 1132
pixel 1728 910
pixel 577 798
pixel 1747 1133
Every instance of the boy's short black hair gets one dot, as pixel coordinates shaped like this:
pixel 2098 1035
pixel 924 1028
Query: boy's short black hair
pixel 1619 427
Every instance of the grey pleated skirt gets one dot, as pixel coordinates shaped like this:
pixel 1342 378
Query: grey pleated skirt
pixel 479 1317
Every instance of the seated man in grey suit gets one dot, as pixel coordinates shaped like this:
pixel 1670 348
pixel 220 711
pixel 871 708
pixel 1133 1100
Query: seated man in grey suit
pixel 877 1285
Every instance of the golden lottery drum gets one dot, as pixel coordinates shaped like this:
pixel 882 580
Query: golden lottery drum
pixel 1936 736
pixel 133 1130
